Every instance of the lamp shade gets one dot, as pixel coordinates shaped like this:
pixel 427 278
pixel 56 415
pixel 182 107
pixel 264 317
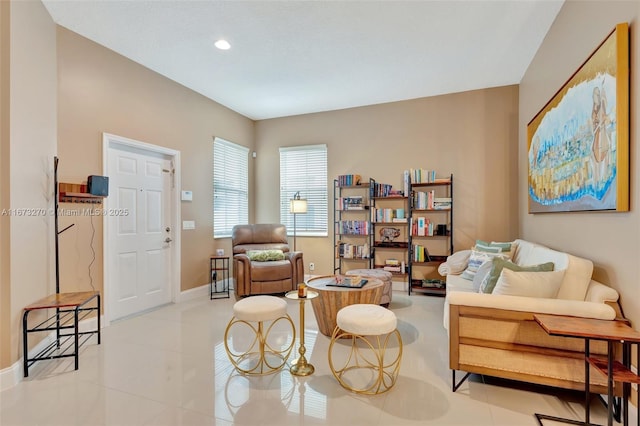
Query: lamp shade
pixel 297 206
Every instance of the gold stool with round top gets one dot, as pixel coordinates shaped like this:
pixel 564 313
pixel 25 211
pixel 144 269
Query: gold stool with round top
pixel 372 363
pixel 257 339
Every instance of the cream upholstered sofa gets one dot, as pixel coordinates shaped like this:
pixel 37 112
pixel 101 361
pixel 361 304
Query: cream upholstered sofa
pixel 496 335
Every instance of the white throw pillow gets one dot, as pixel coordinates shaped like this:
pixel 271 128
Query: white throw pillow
pixel 482 272
pixel 477 258
pixel 529 284
pixel 577 278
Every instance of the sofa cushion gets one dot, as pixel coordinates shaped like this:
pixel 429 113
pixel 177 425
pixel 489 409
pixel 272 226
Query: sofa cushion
pixel 476 259
pixel 498 265
pixel 573 308
pixel 492 246
pixel 455 264
pixel 485 246
pixel 482 272
pixel 457 283
pixel 529 284
pixel 576 279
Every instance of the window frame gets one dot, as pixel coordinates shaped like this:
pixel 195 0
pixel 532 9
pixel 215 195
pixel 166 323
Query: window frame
pixel 235 160
pixel 315 189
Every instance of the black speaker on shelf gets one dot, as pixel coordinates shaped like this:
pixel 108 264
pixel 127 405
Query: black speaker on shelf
pixel 441 229
pixel 98 185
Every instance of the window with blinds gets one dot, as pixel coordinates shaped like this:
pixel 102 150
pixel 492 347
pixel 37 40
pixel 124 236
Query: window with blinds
pixel 230 187
pixel 304 169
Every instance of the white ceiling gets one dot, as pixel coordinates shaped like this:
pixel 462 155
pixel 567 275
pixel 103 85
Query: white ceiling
pixel 297 57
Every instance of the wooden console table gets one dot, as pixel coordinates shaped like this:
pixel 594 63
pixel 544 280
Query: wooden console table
pixel 611 332
pixel 70 309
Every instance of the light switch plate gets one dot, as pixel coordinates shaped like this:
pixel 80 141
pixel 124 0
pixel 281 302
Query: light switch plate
pixel 187 196
pixel 188 224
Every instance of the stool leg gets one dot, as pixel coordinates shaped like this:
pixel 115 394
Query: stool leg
pixel 259 348
pixel 385 374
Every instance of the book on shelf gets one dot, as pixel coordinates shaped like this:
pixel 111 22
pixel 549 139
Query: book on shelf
pixel 384 215
pixel 422 175
pixel 351 203
pixel 353 227
pixel 349 180
pixel 352 251
pixel 405 181
pixel 381 190
pixel 422 227
pixel 423 200
pixel 399 220
pixel 420 253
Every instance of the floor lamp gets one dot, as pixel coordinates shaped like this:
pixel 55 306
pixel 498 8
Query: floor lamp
pixel 297 205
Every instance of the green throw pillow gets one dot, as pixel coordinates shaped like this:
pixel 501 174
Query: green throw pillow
pixel 503 246
pixel 489 282
pixel 265 255
pixel 493 246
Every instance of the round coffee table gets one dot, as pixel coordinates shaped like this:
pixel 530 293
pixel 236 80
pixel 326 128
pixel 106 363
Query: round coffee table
pixel 331 299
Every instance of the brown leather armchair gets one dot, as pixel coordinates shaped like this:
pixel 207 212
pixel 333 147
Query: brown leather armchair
pixel 252 277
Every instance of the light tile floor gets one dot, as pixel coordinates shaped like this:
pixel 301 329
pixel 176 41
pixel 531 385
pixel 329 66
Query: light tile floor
pixel 169 367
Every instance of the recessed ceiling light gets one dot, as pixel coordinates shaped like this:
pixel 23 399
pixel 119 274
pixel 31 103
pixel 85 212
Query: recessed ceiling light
pixel 222 44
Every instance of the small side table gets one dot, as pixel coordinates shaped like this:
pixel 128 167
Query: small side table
pixel 301 367
pixel 594 329
pixel 219 264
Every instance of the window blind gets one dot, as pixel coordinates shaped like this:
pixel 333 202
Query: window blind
pixel 304 169
pixel 230 187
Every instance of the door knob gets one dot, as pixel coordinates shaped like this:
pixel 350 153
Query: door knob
pixel 168 240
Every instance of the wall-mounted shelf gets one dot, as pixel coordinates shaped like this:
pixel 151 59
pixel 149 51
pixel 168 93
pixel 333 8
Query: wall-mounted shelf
pixel 76 193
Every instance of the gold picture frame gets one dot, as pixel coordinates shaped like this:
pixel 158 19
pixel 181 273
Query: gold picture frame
pixel 578 143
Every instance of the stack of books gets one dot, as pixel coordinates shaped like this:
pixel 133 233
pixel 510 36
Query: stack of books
pixel 351 203
pixel 443 203
pixel 394 265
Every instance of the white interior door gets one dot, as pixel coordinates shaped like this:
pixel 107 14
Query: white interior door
pixel 140 231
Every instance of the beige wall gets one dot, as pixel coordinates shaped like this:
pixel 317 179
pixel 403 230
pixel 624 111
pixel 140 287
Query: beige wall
pixel 472 135
pixel 5 247
pixel 101 91
pixel 32 145
pixel 611 240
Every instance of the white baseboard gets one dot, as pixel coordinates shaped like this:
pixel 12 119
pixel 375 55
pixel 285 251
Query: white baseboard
pixel 11 376
pixel 200 292
pixel 193 293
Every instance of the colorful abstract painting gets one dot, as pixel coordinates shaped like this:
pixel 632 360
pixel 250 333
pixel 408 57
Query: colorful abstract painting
pixel 578 152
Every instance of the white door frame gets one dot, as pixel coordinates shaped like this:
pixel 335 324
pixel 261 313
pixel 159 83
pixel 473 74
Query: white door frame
pixel 113 141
